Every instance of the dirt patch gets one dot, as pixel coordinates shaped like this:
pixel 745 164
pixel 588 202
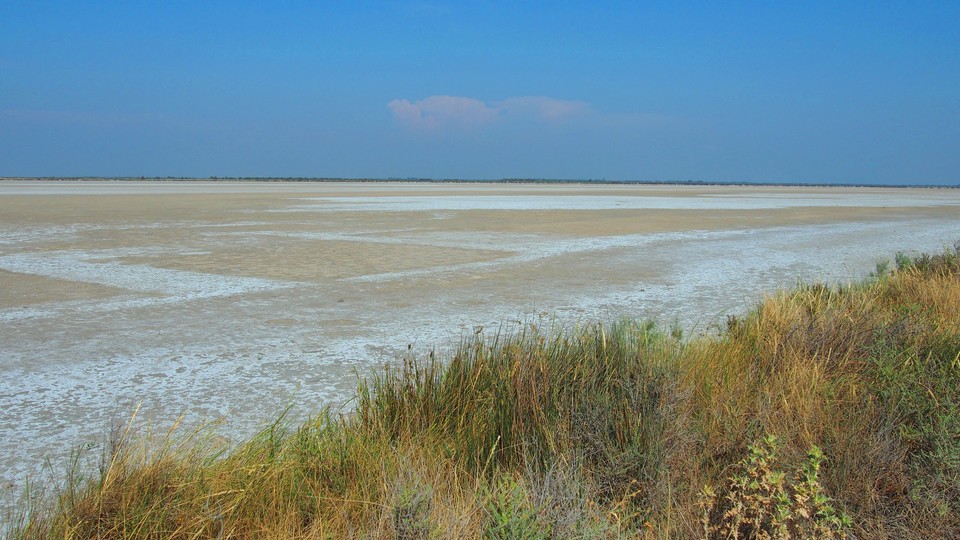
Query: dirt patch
pixel 21 290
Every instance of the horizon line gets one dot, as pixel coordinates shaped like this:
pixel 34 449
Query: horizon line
pixel 517 180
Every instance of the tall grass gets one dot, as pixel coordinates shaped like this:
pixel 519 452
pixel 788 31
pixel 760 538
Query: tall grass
pixel 827 411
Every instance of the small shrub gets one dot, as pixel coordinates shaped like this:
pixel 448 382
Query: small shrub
pixel 903 261
pixel 511 515
pixel 564 503
pixel 881 270
pixel 760 501
pixel 411 514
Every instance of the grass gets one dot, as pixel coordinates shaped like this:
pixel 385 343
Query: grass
pixel 827 411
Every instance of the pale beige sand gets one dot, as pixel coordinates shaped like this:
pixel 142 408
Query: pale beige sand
pixel 26 289
pixel 183 217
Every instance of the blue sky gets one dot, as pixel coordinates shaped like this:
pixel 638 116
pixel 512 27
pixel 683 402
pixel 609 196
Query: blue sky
pixel 712 91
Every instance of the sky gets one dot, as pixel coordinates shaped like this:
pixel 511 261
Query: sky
pixel 805 92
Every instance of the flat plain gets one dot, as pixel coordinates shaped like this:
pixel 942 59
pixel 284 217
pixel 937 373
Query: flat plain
pixel 234 300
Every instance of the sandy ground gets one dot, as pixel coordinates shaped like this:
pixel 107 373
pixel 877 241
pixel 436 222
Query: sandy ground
pixel 235 300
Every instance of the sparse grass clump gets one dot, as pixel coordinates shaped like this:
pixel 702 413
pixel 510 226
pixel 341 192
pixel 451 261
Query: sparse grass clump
pixel 825 412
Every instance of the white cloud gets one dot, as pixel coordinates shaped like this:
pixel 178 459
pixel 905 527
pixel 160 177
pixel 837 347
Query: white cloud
pixel 439 112
pixel 443 111
pixel 545 108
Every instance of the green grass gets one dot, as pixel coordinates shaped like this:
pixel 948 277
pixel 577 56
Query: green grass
pixel 827 411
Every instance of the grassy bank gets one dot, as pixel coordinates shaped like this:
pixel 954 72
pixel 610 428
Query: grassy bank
pixel 824 412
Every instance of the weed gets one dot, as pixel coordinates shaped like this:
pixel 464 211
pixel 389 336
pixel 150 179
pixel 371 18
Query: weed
pixel 411 513
pixel 511 516
pixel 762 501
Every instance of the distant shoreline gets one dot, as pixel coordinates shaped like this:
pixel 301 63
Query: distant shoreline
pixel 552 181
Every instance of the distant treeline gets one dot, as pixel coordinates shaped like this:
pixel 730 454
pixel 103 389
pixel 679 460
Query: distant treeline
pixel 593 181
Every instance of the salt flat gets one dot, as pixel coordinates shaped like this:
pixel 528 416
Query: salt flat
pixel 236 299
